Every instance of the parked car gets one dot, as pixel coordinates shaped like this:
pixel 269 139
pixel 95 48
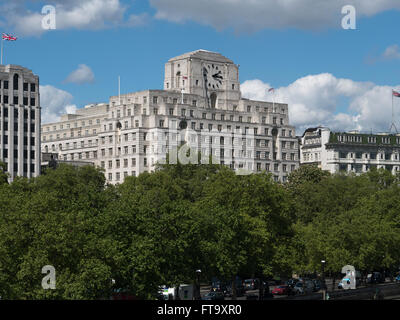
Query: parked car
pixel 240 290
pixel 304 287
pixel 292 282
pixel 218 285
pixel 251 284
pixel 298 288
pixel 375 277
pixel 317 285
pixel 214 296
pixel 282 290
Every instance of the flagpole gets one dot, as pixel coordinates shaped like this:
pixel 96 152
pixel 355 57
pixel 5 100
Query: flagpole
pixel 2 40
pixel 119 90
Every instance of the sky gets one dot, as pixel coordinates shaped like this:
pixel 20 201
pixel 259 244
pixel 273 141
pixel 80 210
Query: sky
pixel 330 76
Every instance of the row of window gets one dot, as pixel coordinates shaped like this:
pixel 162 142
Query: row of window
pixel 15 139
pixel 15 154
pixel 308 156
pixel 16 113
pixel 80 156
pixel 358 168
pixel 25 168
pixel 358 139
pixel 68 125
pixel 5 85
pixel 70 135
pixel 371 156
pixel 5 99
pixel 5 127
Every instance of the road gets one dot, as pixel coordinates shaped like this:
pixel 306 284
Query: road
pixel 205 289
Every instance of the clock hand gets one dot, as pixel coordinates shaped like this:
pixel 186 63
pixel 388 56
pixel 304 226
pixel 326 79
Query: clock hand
pixel 217 76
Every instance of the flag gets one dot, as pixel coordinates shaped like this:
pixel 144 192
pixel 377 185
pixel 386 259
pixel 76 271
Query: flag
pixel 396 94
pixel 8 37
pixel 185 78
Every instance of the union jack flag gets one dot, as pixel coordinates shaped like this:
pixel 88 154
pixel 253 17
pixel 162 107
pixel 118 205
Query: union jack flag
pixel 396 94
pixel 8 37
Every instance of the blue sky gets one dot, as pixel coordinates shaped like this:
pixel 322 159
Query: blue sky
pixel 308 61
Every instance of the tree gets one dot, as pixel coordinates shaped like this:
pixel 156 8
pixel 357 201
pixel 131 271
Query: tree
pixel 243 219
pixel 3 173
pixel 56 219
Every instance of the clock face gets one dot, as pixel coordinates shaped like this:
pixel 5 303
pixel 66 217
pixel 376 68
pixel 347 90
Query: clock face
pixel 213 76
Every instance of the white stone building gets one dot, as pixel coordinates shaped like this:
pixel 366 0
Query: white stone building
pixel 201 105
pixel 350 151
pixel 19 121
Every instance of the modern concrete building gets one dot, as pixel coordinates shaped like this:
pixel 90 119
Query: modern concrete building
pixel 200 107
pixel 19 121
pixel 350 151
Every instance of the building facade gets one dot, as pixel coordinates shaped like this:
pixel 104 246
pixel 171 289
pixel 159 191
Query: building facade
pixel 350 151
pixel 200 107
pixel 19 121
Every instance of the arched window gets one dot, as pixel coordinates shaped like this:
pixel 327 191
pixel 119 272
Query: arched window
pixel 60 147
pixel 46 148
pixel 15 82
pixel 213 98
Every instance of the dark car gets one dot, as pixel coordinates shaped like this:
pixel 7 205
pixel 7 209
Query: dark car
pixel 292 282
pixel 318 285
pixel 218 286
pixel 375 277
pixel 213 296
pixel 240 290
pixel 251 284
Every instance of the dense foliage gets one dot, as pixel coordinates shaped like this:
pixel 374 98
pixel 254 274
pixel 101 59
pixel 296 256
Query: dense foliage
pixel 159 228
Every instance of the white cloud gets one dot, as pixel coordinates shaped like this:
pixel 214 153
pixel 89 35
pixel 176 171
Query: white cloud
pixel 54 103
pixel 315 99
pixel 391 52
pixel 71 14
pixel 81 75
pixel 254 15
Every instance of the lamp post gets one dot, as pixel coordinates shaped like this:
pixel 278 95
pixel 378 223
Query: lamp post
pixel 198 295
pixel 323 280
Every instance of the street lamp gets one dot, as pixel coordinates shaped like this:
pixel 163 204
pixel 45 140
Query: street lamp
pixel 323 279
pixel 198 274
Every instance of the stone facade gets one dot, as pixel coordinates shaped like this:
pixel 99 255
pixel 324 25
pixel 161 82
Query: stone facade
pixel 350 151
pixel 200 106
pixel 19 121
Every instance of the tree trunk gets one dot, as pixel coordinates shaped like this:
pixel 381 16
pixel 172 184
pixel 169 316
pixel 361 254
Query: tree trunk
pixel 261 290
pixel 234 288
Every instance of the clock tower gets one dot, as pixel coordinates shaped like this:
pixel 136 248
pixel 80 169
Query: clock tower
pixel 206 74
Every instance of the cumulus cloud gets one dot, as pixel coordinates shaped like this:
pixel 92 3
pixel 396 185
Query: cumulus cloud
pixel 71 14
pixel 316 100
pixel 254 15
pixel 54 103
pixel 81 75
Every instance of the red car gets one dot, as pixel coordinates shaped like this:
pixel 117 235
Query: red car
pixel 281 290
